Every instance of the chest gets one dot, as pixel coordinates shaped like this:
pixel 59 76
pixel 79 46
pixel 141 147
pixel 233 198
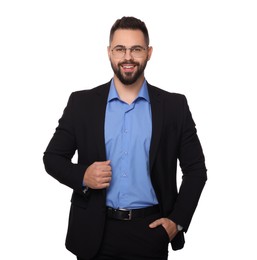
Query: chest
pixel 131 122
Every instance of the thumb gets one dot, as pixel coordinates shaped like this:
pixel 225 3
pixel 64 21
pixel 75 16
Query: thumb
pixel 156 223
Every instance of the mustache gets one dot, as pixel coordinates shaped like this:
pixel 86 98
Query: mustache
pixel 131 62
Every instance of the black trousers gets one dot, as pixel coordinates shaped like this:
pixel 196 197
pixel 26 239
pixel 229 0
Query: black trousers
pixel 133 240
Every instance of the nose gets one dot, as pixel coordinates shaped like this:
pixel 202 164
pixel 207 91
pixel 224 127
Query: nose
pixel 128 55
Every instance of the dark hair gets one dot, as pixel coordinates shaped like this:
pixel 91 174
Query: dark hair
pixel 131 23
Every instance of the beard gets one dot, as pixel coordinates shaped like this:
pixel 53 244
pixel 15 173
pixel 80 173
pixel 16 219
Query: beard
pixel 129 78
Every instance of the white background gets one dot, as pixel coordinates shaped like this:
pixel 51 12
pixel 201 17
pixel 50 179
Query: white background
pixel 203 49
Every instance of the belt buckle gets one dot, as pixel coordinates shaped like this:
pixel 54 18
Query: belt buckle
pixel 129 212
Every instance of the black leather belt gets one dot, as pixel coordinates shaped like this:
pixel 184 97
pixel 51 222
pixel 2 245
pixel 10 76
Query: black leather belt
pixel 126 214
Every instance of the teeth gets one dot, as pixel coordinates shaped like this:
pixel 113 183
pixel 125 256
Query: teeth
pixel 128 66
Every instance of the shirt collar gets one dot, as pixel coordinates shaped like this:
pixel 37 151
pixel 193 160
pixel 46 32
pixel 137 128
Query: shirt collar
pixel 143 93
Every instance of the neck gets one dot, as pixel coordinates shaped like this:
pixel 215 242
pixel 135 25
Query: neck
pixel 128 93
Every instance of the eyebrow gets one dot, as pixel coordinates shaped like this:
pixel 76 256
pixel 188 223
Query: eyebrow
pixel 133 46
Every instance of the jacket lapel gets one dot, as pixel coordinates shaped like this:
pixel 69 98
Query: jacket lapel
pixel 102 93
pixel 157 121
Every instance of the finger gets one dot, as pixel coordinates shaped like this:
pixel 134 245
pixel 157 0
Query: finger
pixel 104 175
pixel 106 168
pixel 103 166
pixel 103 171
pixel 106 180
pixel 156 223
pixel 108 162
pixel 102 186
pixel 102 182
pixel 105 162
pixel 102 163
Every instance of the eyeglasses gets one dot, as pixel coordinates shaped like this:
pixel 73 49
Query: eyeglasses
pixel 135 51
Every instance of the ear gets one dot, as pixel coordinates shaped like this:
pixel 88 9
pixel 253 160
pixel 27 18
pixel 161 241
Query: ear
pixel 109 52
pixel 150 51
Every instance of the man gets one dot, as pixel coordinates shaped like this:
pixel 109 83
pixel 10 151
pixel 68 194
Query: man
pixel 129 136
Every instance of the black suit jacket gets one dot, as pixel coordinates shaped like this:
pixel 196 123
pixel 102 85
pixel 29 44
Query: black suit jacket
pixel 174 138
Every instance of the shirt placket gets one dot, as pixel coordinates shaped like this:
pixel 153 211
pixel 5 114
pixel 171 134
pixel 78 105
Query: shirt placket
pixel 126 133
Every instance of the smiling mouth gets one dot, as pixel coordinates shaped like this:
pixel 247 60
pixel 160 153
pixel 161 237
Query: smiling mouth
pixel 128 67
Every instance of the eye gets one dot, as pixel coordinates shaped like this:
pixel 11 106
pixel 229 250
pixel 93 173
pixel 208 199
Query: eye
pixel 136 49
pixel 119 49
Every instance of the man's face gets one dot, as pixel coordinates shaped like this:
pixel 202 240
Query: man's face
pixel 129 65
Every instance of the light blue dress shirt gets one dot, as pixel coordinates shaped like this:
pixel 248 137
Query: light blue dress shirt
pixel 128 130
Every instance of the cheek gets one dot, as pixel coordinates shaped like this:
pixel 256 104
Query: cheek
pixel 114 65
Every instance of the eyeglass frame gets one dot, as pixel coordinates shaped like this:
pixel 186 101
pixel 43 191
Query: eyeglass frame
pixel 124 50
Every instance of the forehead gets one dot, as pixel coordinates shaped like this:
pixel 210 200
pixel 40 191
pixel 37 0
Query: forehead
pixel 128 37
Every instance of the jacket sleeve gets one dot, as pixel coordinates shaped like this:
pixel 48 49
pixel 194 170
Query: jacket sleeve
pixel 192 163
pixel 60 150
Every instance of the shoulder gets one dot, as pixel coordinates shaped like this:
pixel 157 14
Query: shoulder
pixel 170 97
pixel 92 92
pixel 88 99
pixel 174 105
